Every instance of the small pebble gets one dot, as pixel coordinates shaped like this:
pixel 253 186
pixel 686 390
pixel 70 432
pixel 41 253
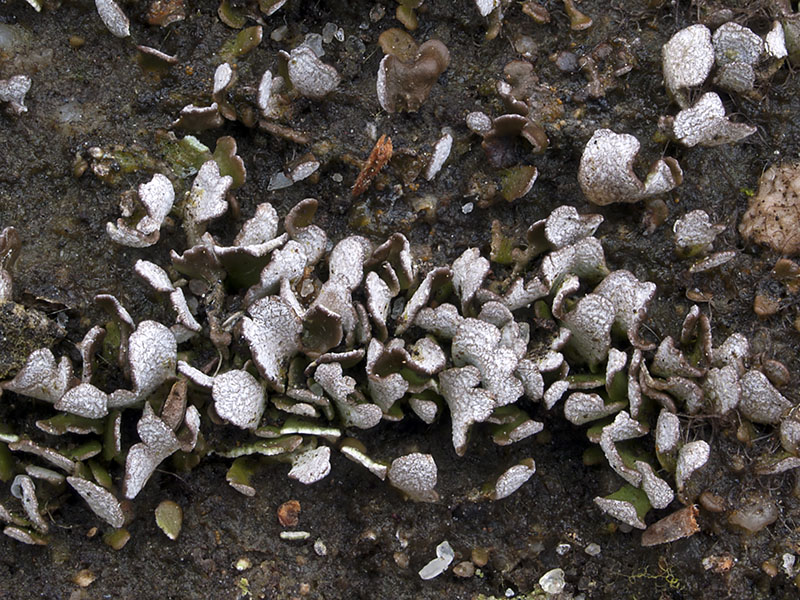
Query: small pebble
pixel 464 569
pixel 768 568
pixel 712 502
pixel 553 582
pixel 279 33
pixel 320 548
pixel 776 371
pixel 467 208
pixel 76 41
pixel 243 564
pixel 376 13
pixel 755 515
pixel 566 62
pixel 765 306
pixel 84 578
pixel 562 549
pixel 480 556
pixel 593 549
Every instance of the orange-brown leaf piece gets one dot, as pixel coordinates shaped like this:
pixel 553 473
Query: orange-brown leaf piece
pixel 289 513
pixel 680 524
pixel 379 156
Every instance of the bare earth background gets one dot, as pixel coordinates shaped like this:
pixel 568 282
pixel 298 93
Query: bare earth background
pixel 99 94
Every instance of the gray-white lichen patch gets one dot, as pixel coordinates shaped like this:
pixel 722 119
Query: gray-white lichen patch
pixel 153 356
pixel 102 502
pixel 369 343
pixel 84 400
pixel 23 488
pixel 479 122
pixel 113 17
pixel 760 401
pixel 13 91
pixel 158 442
pixel 630 299
pixel 468 403
pixel 775 42
pixel 273 335
pixel 41 377
pixel 694 233
pixel 622 510
pixel 734 43
pixel 441 151
pixel 564 226
pixel 705 124
pixel 590 324
pixel 687 58
pixel 658 491
pixel 480 344
pixel 513 478
pixel 581 408
pixel 312 465
pixel 486 6
pixel 207 198
pixel 415 475
pixel 606 171
pixel 156 198
pixel 691 457
pixel 239 398
pixel 310 76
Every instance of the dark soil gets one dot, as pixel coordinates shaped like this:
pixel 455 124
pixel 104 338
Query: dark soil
pixel 100 95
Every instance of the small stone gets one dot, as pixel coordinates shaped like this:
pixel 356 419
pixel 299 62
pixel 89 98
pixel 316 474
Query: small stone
pixel 464 569
pixel 401 559
pixel 765 306
pixel 444 556
pixel 712 502
pixel 756 514
pixel 243 564
pixel 84 578
pixel 553 582
pixel 480 556
pixel 593 549
pixel 320 549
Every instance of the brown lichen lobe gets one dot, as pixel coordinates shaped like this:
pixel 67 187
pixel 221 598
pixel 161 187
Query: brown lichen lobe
pixel 405 85
pixel 773 215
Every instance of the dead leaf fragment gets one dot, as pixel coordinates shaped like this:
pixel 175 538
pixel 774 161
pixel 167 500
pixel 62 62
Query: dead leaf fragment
pixel 289 513
pixel 773 215
pixel 379 156
pixel 680 524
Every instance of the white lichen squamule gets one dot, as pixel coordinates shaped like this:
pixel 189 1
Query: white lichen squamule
pixel 472 354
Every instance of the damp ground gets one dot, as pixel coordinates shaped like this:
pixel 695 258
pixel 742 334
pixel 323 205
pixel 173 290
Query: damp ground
pixel 93 90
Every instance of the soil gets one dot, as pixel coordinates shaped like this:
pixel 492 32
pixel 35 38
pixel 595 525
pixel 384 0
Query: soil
pixel 96 91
